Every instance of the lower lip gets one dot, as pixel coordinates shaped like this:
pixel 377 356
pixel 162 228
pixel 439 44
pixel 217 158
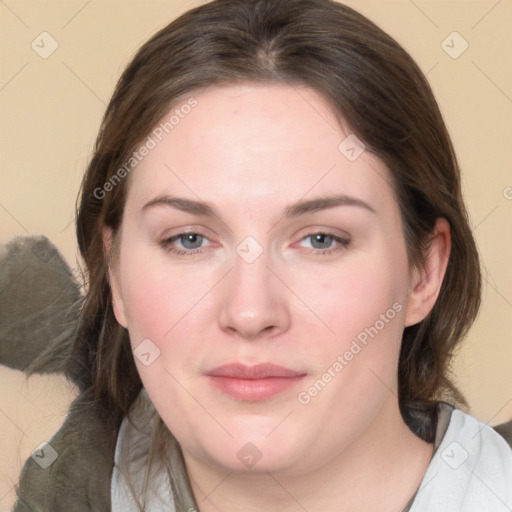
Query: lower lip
pixel 254 389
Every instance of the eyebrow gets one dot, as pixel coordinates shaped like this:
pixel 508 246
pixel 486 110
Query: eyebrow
pixel 301 207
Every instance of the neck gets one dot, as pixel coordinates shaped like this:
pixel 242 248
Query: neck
pixel 382 468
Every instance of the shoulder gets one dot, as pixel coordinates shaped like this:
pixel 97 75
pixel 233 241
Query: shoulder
pixel 73 470
pixel 471 470
pixel 505 431
pixel 480 440
pixel 134 475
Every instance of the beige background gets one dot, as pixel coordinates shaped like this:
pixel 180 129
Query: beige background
pixel 50 113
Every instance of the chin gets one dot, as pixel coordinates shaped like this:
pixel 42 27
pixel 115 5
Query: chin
pixel 252 451
pixel 253 458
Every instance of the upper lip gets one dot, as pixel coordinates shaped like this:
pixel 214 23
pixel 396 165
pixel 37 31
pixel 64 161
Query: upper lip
pixel 259 371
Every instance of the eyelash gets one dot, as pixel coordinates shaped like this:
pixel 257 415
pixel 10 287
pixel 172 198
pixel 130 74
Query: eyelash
pixel 167 243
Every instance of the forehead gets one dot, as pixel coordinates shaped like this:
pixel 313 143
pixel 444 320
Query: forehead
pixel 255 143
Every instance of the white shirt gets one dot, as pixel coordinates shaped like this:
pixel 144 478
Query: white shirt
pixel 471 471
pixel 132 450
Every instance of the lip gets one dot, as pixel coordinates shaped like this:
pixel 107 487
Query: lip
pixel 253 383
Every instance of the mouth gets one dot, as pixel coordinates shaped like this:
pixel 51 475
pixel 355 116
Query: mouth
pixel 253 383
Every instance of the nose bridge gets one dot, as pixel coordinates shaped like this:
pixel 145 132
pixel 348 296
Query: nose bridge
pixel 254 301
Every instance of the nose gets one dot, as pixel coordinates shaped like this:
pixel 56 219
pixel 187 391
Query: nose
pixel 253 304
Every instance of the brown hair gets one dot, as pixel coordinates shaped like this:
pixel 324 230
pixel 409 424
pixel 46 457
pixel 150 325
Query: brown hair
pixel 378 90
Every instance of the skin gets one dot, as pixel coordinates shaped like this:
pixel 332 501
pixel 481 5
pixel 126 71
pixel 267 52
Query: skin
pixel 250 151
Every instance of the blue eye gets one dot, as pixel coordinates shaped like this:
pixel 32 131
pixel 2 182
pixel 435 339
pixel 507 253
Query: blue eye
pixel 192 243
pixel 322 243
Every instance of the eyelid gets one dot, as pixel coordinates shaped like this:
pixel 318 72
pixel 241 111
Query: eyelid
pixel 189 230
pixel 313 229
pixel 183 233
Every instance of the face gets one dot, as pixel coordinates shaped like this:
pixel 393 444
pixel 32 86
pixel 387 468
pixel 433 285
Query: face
pixel 292 270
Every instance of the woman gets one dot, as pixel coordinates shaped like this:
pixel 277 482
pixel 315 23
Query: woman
pixel 280 267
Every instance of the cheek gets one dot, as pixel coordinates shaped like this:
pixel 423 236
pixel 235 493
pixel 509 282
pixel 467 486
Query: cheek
pixel 158 295
pixel 164 305
pixel 351 297
pixel 362 303
pixel 170 305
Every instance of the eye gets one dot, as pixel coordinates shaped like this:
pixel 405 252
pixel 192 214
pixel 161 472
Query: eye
pixel 324 243
pixel 191 243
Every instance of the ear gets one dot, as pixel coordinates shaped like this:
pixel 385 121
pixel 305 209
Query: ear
pixel 426 281
pixel 113 277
